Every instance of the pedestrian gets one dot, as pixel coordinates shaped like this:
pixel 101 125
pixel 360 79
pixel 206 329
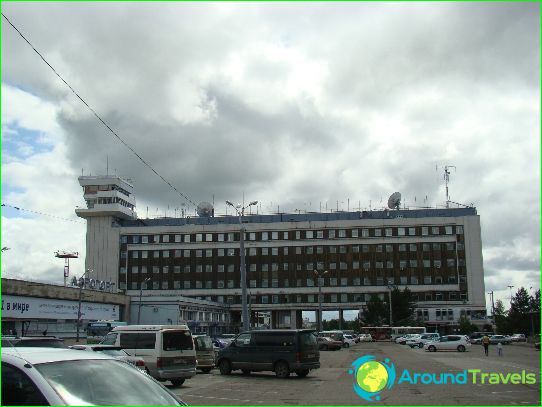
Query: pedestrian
pixel 499 348
pixel 485 342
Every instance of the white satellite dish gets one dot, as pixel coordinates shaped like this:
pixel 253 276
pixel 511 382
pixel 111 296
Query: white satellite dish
pixel 204 209
pixel 394 201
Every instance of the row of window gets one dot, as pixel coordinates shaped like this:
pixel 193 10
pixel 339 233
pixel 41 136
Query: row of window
pixel 297 234
pixel 309 282
pixel 285 251
pixel 354 265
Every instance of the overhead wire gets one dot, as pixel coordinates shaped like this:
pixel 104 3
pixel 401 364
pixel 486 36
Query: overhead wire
pixel 41 213
pixel 98 116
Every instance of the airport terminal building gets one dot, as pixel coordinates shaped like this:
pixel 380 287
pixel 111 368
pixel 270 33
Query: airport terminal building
pixel 436 253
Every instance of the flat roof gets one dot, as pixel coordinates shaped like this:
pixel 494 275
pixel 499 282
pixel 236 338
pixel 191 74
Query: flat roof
pixel 302 217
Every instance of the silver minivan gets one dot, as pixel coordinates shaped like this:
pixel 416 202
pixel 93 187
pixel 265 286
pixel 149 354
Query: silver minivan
pixel 168 350
pixel 205 353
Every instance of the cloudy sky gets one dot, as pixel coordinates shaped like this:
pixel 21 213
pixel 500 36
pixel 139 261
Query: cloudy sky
pixel 298 106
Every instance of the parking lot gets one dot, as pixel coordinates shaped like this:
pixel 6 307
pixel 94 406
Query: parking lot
pixel 332 385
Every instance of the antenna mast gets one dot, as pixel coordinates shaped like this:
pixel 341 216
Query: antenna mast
pixel 446 180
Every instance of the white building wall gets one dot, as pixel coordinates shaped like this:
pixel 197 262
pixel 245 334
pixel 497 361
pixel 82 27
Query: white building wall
pixel 103 249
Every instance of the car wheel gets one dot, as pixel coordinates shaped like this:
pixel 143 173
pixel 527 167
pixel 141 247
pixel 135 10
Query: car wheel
pixel 177 382
pixel 461 348
pixel 432 348
pixel 245 371
pixel 225 367
pixel 420 345
pixel 302 373
pixel 206 370
pixel 323 347
pixel 282 370
pixel 346 345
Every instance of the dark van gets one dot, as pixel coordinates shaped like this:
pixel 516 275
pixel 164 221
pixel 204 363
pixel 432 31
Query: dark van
pixel 282 351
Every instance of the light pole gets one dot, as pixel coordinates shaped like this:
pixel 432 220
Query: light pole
pixel 5 248
pixel 140 294
pixel 81 285
pixel 320 274
pixel 510 287
pixel 241 211
pixel 391 287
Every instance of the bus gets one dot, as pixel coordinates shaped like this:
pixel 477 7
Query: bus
pixel 336 335
pixel 98 329
pixel 387 333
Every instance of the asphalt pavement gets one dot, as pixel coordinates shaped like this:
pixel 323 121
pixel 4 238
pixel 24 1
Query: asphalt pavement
pixel 333 385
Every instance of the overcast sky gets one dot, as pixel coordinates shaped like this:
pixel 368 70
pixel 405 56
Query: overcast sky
pixel 298 106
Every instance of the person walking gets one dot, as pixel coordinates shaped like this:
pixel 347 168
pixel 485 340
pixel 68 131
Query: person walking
pixel 485 342
pixel 499 348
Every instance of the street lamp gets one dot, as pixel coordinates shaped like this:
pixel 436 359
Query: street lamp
pixel 81 285
pixel 140 294
pixel 241 211
pixel 320 274
pixel 391 287
pixel 5 248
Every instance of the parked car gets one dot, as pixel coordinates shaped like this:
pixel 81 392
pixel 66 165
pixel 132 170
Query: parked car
pixel 168 350
pixel 73 377
pixel 114 351
pixel 34 342
pixel 518 338
pixel 325 343
pixel 348 341
pixel 403 339
pixel 205 353
pixel 495 339
pixel 449 342
pixel 280 350
pixel 418 342
pixel 366 338
pixel 221 342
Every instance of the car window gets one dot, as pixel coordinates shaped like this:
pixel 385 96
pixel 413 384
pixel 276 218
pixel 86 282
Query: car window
pixel 111 352
pixel 274 339
pixel 18 389
pixel 203 343
pixel 103 382
pixel 307 340
pixel 41 343
pixel 243 340
pixel 109 339
pixel 177 340
pixel 443 339
pixel 136 340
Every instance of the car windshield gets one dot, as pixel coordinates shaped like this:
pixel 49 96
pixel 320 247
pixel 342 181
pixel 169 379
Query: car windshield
pixel 103 382
pixel 41 343
pixel 177 340
pixel 203 343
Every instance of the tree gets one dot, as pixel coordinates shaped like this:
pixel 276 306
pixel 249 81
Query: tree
pixel 466 327
pixel 375 312
pixel 501 319
pixel 519 319
pixel 535 302
pixel 402 307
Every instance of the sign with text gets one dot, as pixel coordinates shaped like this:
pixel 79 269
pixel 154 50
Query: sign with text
pixel 14 306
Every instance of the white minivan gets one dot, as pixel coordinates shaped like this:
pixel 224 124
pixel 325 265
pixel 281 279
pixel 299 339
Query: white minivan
pixel 168 350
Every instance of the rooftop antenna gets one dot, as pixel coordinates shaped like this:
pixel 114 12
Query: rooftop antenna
pixel 66 256
pixel 394 201
pixel 447 179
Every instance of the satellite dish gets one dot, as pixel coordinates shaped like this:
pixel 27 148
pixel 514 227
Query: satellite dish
pixel 394 201
pixel 205 209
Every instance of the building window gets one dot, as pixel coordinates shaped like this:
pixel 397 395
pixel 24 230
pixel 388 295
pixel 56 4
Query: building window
pixel 365 248
pixel 187 269
pixel 155 270
pixel 231 284
pixel 135 269
pixel 389 232
pixel 355 249
pixel 355 232
pixel 379 265
pixel 379 248
pixel 274 235
pixel 437 263
pixel 176 269
pixel 435 230
pixel 186 253
pixel 426 263
pixel 144 254
pixel 452 280
pixel 187 238
pixel 364 232
pixel 332 281
pixel 402 247
pixel 378 232
pixel 366 265
pixel 436 246
pixel 344 297
pixel 265 283
pixel 413 263
pixel 221 237
pixel 220 284
pixel 389 248
pixel 186 284
pixel 309 234
pixel 122 255
pixel 356 281
pixel 342 249
pixel 199 268
pixel 333 249
pixel 165 269
pixel 400 231
pixel 333 297
pixel 463 296
pixel 427 279
pixel 208 284
pixel 389 264
pixel 448 230
pixel 355 265
pixel 450 246
pixel 402 264
pixel 165 285
pixel 413 280
pixel 428 297
pixel 366 281
pixel 412 231
pixel 452 296
pixel 231 268
pixel 209 253
pixel 298 234
pixel 285 236
pixel 426 247
pixel 310 249
pixel 459 230
pixel 165 254
pixel 208 268
pixel 344 281
pixel 438 279
pixel 199 253
pixel 403 280
pixel 333 266
pixel 231 252
pixel 144 269
pixel 331 234
pixel 342 233
pixel 412 247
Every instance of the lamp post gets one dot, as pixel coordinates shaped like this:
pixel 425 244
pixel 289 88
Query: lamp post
pixel 510 287
pixel 391 287
pixel 81 285
pixel 320 274
pixel 140 294
pixel 241 211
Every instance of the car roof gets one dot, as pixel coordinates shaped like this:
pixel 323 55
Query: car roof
pixel 46 355
pixel 149 328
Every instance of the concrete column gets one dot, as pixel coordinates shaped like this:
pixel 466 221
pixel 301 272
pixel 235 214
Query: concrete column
pixel 273 319
pixel 341 316
pixel 293 319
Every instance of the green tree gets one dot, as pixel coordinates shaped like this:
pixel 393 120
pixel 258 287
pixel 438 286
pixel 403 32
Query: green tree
pixel 466 327
pixel 375 312
pixel 519 319
pixel 402 307
pixel 535 302
pixel 501 318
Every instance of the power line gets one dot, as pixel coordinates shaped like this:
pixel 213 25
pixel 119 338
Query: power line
pixel 41 213
pixel 98 116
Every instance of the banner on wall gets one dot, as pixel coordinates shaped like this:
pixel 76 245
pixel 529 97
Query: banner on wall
pixel 14 306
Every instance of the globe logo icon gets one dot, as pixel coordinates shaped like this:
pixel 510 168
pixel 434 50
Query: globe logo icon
pixel 372 377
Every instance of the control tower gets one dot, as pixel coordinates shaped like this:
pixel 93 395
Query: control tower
pixel 108 198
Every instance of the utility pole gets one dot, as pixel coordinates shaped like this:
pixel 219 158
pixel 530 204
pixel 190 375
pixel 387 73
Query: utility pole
pixel 492 306
pixel 510 287
pixel 320 274
pixel 140 295
pixel 81 285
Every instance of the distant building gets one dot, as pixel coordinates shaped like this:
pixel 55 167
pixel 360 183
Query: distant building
pixel 437 253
